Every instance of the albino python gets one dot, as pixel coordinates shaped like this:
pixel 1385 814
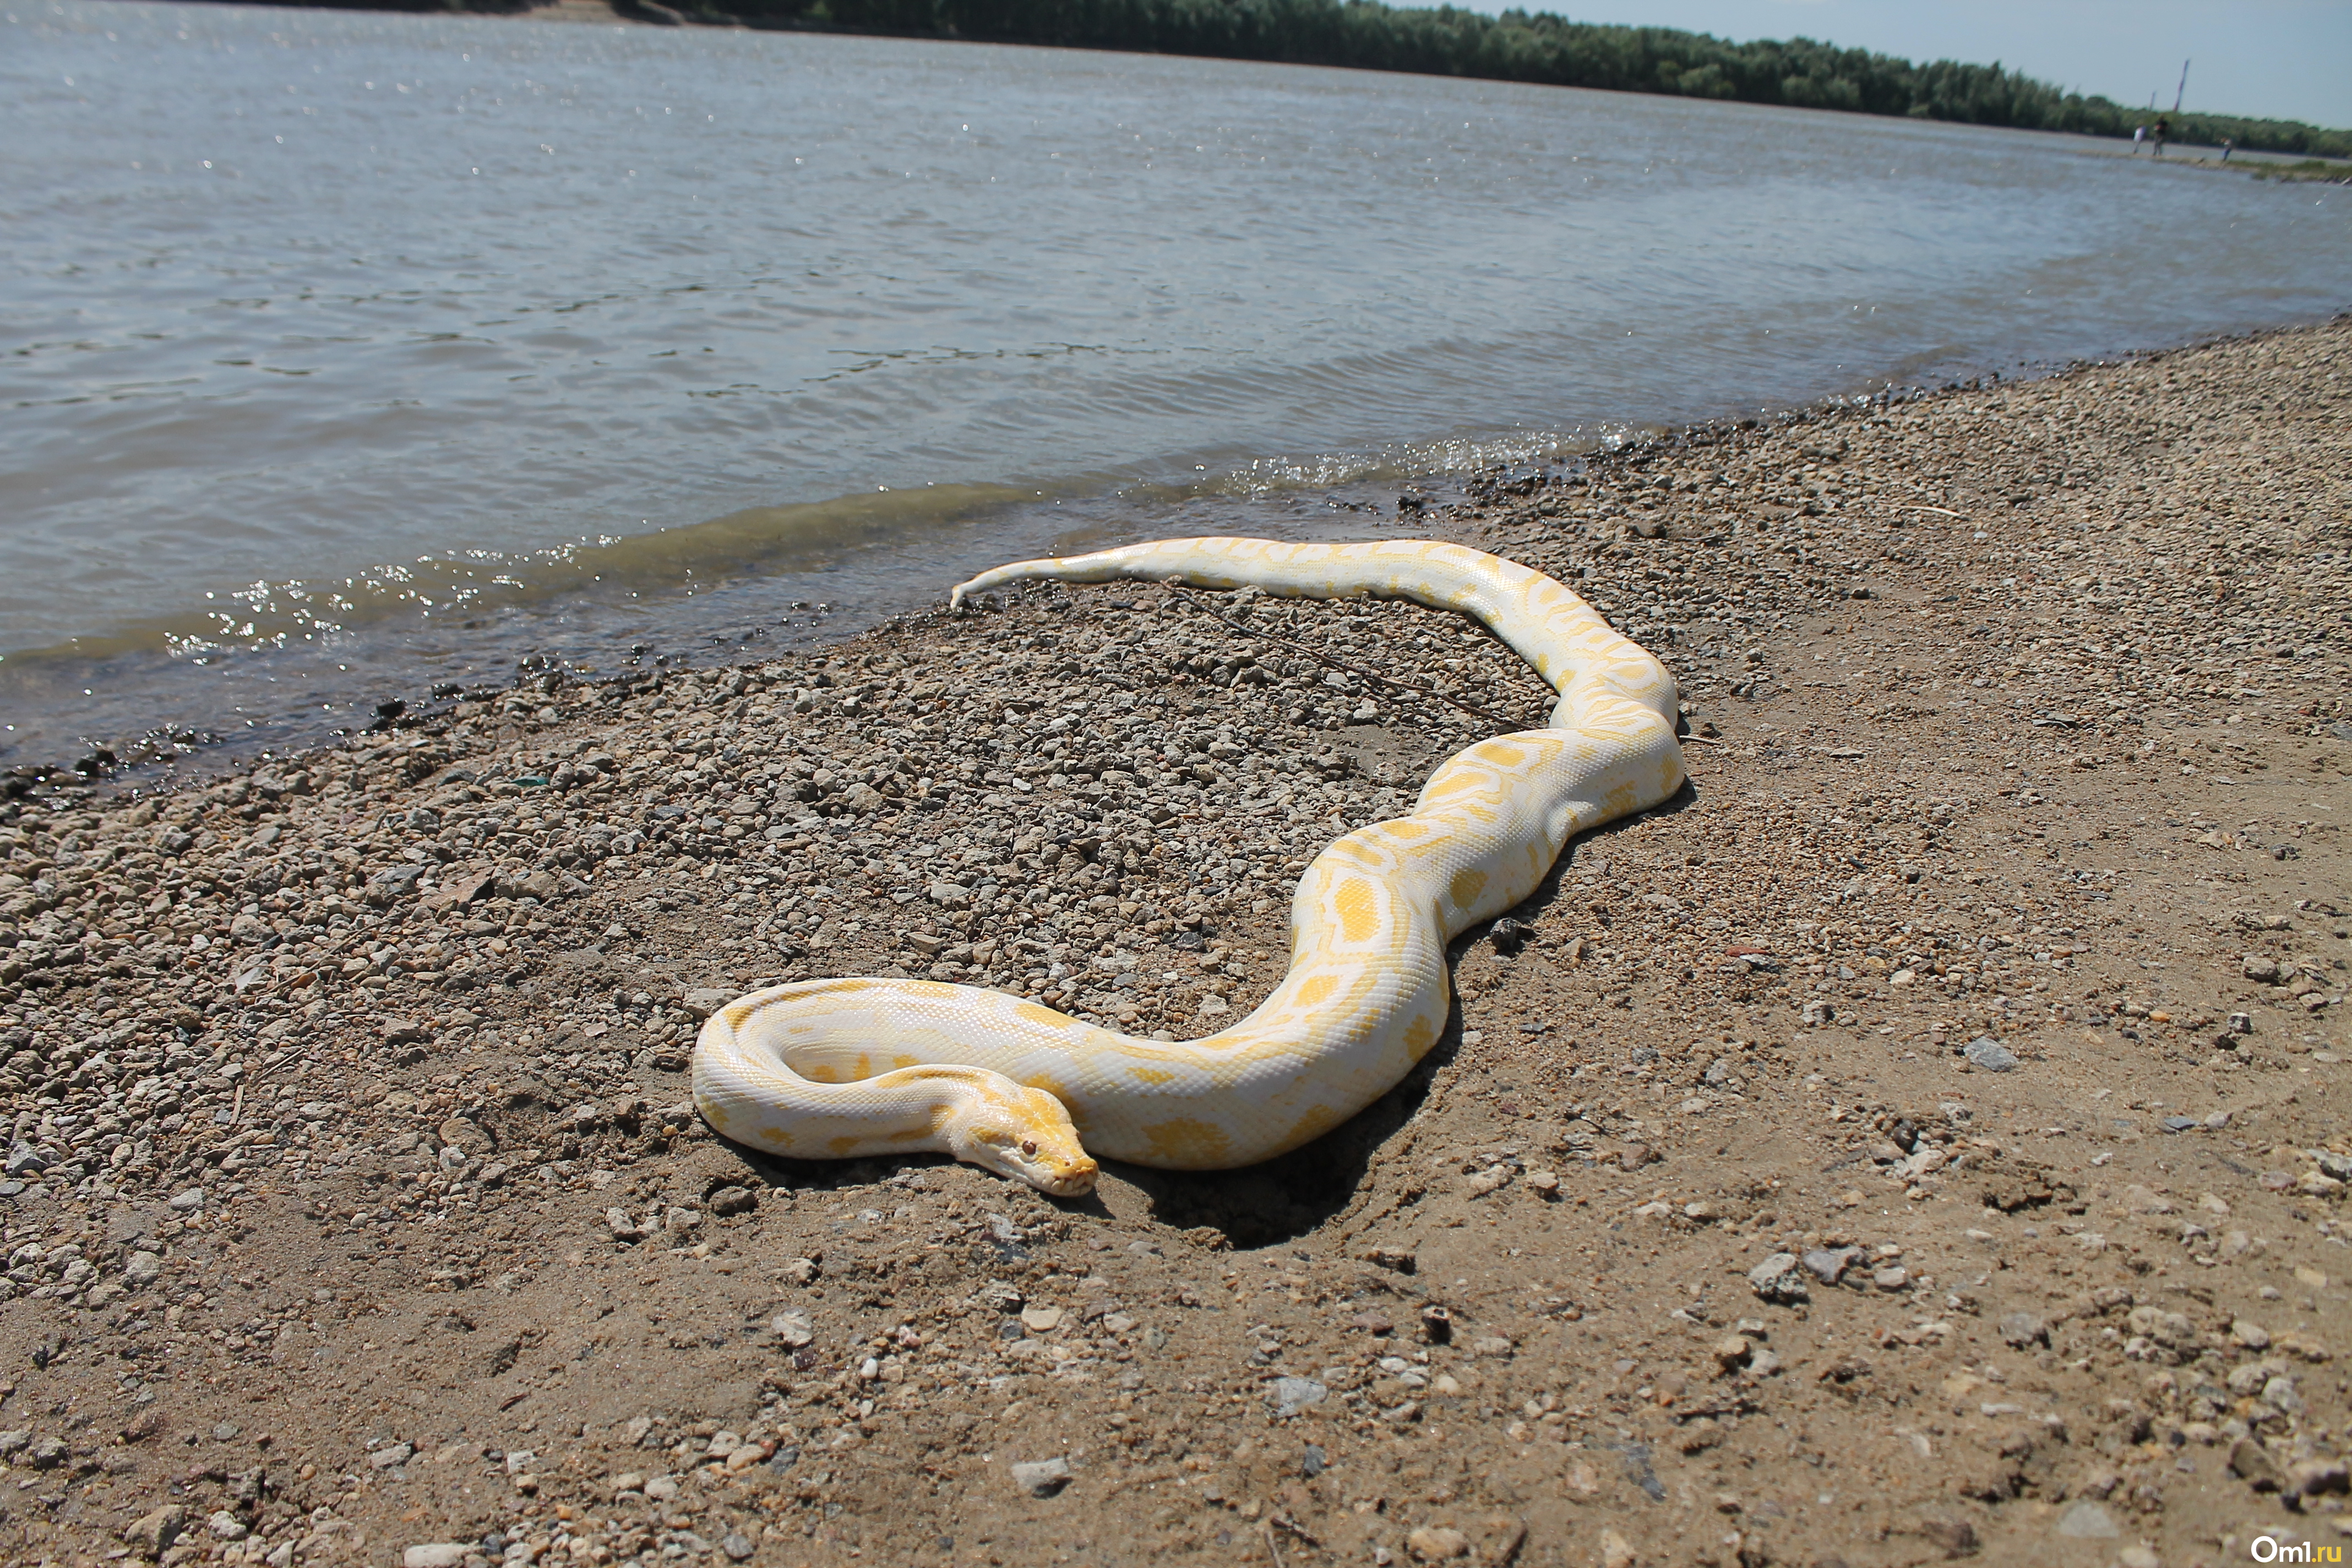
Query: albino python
pixel 834 1068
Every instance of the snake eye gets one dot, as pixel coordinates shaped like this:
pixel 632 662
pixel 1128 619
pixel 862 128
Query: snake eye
pixel 1029 1147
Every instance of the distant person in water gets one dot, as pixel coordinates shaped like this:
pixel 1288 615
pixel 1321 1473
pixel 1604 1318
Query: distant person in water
pixel 2228 145
pixel 2163 129
pixel 2139 134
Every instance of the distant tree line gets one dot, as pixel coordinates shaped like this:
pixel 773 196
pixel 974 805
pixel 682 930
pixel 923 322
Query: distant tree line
pixel 1516 45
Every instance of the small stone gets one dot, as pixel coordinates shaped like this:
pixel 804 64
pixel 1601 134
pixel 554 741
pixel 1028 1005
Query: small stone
pixel 2087 1520
pixel 794 1331
pixel 1616 1552
pixel 1779 1278
pixel 2137 1556
pixel 2252 1335
pixel 1828 1265
pixel 733 1201
pixel 1041 1319
pixel 1543 1184
pixel 2259 967
pixel 1437 1543
pixel 1731 1352
pixel 737 1546
pixel 151 1532
pixel 1954 1537
pixel 1042 1478
pixel 1989 1055
pixel 387 1459
pixel 704 1000
pixel 1313 1462
pixel 1893 1276
pixel 436 1554
pixel 223 1525
pixel 143 1269
pixel 2252 1463
pixel 682 1221
pixel 1292 1394
pixel 2018 1330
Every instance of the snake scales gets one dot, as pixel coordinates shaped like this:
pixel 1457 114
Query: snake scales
pixel 836 1068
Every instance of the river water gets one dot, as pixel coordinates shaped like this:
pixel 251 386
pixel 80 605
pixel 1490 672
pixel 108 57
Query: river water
pixel 344 353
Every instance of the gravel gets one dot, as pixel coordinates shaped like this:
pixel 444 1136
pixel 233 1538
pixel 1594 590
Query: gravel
pixel 348 1114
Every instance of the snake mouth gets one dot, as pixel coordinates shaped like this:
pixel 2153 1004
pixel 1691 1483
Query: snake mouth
pixel 1076 1181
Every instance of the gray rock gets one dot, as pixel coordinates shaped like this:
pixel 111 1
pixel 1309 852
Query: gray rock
pixel 385 1459
pixel 24 1160
pixel 704 1000
pixel 737 1546
pixel 436 1554
pixel 2087 1520
pixel 2180 1123
pixel 2018 1330
pixel 1989 1055
pixel 1042 1478
pixel 1779 1278
pixel 1292 1394
pixel 391 883
pixel 1828 1264
pixel 794 1329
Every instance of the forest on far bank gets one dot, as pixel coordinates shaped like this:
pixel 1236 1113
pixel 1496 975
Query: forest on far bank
pixel 1518 45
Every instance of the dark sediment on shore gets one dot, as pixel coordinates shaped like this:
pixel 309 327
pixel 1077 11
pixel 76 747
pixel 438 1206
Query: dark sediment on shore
pixel 1991 974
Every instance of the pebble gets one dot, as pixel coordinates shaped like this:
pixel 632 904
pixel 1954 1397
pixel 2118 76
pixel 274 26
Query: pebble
pixel 2087 1520
pixel 436 1554
pixel 1989 1055
pixel 1042 1478
pixel 1437 1543
pixel 1827 1265
pixel 1777 1278
pixel 1292 1394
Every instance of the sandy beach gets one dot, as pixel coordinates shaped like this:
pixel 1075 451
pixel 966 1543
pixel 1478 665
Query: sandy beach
pixel 1922 1138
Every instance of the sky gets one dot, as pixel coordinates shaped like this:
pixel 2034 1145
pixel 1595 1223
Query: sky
pixel 2284 59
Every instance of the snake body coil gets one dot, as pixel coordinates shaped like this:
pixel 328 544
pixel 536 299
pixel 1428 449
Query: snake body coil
pixel 836 1068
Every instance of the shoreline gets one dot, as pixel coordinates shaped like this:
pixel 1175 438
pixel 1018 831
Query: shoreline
pixel 128 766
pixel 1991 975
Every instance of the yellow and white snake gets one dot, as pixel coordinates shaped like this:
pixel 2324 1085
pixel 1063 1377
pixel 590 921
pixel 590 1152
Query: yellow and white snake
pixel 837 1068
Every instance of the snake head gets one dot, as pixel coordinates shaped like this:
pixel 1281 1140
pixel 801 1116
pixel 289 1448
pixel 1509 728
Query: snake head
pixel 1027 1135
